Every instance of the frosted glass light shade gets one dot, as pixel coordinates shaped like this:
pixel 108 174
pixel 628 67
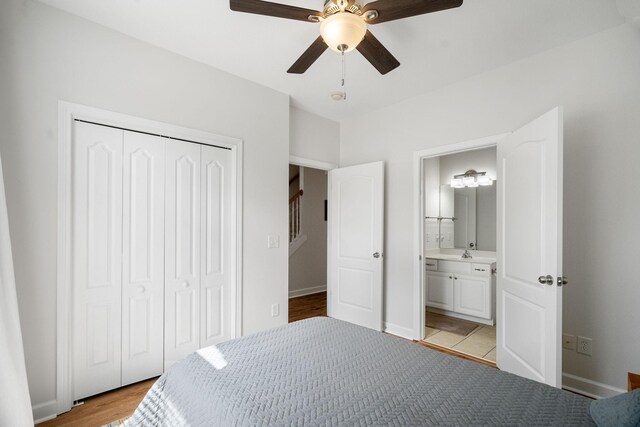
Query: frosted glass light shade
pixel 470 181
pixel 485 180
pixel 457 183
pixel 343 28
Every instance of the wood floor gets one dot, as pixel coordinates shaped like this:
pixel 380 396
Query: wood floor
pixel 103 408
pixel 307 306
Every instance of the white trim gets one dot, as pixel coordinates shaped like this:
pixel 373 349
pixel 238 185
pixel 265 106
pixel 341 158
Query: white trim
pixel 44 411
pixel 310 163
pixel 307 291
pixel 67 113
pixel 418 209
pixel 399 331
pixel 589 388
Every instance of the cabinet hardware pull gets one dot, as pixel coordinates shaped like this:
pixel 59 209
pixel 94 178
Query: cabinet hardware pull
pixel 450 277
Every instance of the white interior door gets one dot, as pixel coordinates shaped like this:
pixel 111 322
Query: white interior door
pixel 355 241
pixel 142 257
pixel 529 218
pixel 217 274
pixel 182 251
pixel 97 254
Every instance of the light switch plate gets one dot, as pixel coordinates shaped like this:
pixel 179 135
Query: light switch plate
pixel 273 242
pixel 569 342
pixel 275 310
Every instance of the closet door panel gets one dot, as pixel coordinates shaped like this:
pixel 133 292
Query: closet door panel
pixel 216 303
pixel 97 245
pixel 182 251
pixel 143 257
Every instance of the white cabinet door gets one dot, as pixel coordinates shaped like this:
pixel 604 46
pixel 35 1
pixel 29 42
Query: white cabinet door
pixel 182 251
pixel 439 290
pixel 529 218
pixel 216 305
pixel 97 246
pixel 472 296
pixel 355 244
pixel 142 257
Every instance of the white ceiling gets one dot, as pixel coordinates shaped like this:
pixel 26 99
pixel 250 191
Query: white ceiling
pixel 434 50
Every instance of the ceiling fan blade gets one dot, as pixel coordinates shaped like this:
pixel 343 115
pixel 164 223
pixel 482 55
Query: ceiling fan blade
pixel 308 57
pixel 273 9
pixel 390 10
pixel 377 54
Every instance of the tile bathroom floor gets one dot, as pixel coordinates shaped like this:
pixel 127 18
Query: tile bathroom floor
pixel 481 342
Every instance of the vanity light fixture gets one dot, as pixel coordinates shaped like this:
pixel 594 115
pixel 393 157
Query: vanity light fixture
pixel 471 179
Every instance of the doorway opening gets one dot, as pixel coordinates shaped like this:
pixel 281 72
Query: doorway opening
pixel 459 252
pixel 307 242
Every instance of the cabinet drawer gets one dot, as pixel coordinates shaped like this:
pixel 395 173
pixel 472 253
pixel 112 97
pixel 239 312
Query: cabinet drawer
pixel 454 267
pixel 431 264
pixel 481 270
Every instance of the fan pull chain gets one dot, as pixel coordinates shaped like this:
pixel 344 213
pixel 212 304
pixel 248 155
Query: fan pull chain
pixel 344 72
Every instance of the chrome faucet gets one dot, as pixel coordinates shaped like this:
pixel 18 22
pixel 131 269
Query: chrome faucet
pixel 466 254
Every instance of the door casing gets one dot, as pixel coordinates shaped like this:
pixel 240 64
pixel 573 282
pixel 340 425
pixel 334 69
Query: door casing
pixel 418 205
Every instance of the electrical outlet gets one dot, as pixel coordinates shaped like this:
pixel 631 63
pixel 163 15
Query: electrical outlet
pixel 275 310
pixel 569 342
pixel 585 346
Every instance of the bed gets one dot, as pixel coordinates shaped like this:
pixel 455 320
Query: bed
pixel 323 371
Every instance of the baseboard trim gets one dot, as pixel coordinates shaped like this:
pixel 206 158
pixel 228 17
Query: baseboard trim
pixel 307 291
pixel 588 387
pixel 45 411
pixel 397 330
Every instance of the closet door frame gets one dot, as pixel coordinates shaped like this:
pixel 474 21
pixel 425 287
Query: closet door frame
pixel 68 113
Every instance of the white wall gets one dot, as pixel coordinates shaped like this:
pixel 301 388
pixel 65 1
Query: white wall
pixel 597 80
pixel 47 55
pixel 314 137
pixel 308 265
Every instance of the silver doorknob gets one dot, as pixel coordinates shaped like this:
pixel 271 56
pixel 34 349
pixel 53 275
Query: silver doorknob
pixel 562 280
pixel 546 280
pixel 376 255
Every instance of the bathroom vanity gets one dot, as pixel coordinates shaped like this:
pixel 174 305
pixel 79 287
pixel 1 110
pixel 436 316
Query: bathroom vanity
pixel 461 287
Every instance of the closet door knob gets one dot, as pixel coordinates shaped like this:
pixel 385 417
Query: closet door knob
pixel 185 284
pixel 142 289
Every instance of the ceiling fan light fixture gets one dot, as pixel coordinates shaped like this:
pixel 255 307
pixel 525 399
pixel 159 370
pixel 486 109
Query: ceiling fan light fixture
pixel 343 29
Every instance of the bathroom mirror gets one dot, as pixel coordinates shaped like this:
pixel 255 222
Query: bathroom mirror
pixel 468 217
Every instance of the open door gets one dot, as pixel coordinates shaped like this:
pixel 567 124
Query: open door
pixel 529 278
pixel 355 244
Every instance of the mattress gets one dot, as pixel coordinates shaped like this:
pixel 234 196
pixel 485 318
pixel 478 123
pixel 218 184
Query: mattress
pixel 323 371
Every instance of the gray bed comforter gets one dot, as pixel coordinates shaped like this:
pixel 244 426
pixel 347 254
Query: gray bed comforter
pixel 323 371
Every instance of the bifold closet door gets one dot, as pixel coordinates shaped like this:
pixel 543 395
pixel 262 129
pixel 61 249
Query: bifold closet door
pixel 142 257
pixel 97 258
pixel 217 272
pixel 182 251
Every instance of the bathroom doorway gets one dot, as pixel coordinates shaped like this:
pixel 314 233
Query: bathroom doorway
pixel 459 252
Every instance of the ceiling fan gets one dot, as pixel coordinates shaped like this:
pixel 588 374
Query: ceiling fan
pixel 343 25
